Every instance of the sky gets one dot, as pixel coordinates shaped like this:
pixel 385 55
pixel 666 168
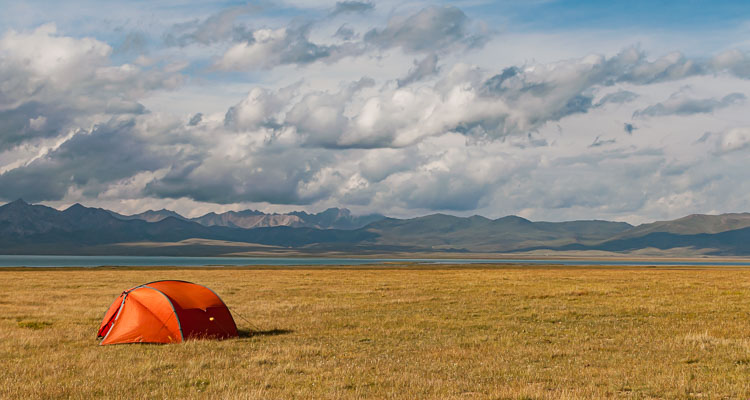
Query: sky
pixel 551 110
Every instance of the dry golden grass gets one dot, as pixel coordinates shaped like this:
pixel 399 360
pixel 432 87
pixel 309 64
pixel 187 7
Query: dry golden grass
pixel 513 332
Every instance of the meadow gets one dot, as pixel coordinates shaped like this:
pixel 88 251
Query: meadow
pixel 510 332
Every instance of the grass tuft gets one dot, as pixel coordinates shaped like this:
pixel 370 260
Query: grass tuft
pixel 36 325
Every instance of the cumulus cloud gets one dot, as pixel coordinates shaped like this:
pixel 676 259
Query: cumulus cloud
pixel 52 83
pixel 429 30
pixel 680 104
pixel 268 48
pixel 512 138
pixel 215 28
pixel 467 100
pixel 733 61
pixel 90 160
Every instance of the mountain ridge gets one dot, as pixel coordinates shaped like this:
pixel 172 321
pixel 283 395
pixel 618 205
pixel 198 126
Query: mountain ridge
pixel 77 229
pixel 332 218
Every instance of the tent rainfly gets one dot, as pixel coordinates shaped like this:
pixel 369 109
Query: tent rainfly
pixel 166 312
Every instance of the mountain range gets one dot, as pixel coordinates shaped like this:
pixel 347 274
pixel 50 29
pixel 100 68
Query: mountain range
pixel 38 229
pixel 332 218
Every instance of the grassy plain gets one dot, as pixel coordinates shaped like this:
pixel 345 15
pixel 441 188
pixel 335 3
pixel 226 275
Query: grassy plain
pixel 508 332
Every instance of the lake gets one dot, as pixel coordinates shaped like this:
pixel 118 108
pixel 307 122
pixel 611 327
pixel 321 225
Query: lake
pixel 130 261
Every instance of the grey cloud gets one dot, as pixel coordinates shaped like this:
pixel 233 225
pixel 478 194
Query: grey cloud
pixel 445 191
pixel 629 128
pixel 429 30
pixel 576 104
pixel 553 97
pixel 277 178
pixel 618 97
pixel 379 164
pixel 598 142
pixel 343 7
pixel 267 48
pixel 195 119
pixel 88 161
pixel 17 124
pixel 679 104
pixel 703 138
pixel 345 33
pixel 215 28
pixel 422 69
pixel 494 85
pixel 515 102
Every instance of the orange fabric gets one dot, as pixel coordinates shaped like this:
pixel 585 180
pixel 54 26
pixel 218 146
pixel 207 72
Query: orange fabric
pixel 202 313
pixel 166 312
pixel 109 317
pixel 146 317
pixel 188 295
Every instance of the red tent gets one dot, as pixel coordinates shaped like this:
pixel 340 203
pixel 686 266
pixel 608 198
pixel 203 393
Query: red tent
pixel 166 312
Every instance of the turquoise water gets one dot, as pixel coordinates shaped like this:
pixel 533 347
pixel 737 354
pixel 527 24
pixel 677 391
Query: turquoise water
pixel 96 261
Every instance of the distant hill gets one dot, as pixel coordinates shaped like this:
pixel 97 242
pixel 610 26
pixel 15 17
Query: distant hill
pixel 37 229
pixel 440 231
pixel 692 224
pixel 728 243
pixel 332 218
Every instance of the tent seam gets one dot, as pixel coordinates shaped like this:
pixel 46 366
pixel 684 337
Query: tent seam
pixel 116 317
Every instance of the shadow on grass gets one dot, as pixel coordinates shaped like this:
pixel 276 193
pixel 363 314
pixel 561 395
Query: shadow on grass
pixel 247 333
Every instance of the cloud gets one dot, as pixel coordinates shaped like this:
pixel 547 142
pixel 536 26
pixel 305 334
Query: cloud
pixel 345 33
pixel 269 48
pixel 432 29
pixel 256 172
pixel 680 104
pixel 422 69
pixel 629 128
pixel 62 81
pixel 598 142
pixel 544 139
pixel 733 140
pixel 343 7
pixel 478 104
pixel 215 28
pixel 732 61
pixel 618 97
pixel 90 160
pixel 195 119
